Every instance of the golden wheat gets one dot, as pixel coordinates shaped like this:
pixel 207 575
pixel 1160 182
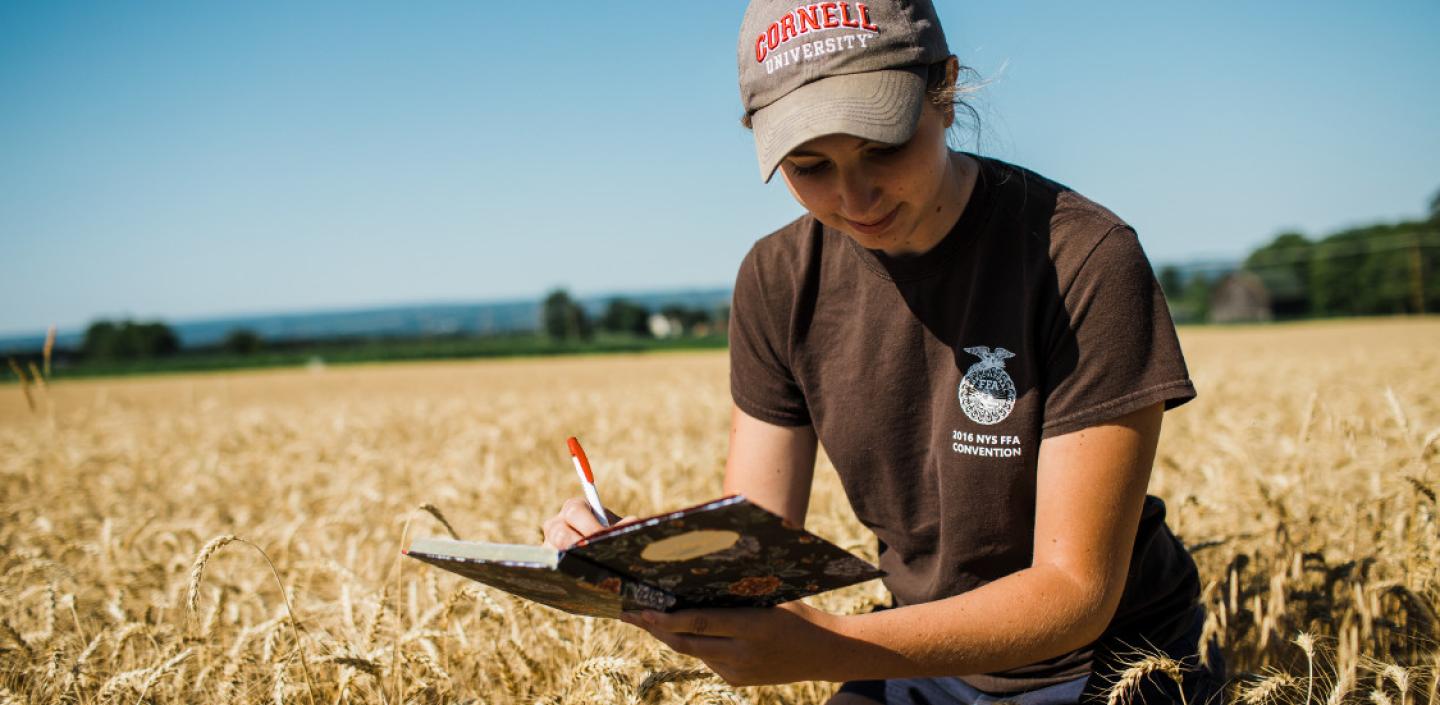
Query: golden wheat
pixel 1303 477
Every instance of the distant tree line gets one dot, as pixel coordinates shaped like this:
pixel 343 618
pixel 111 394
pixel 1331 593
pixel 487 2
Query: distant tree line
pixel 117 341
pixel 563 319
pixel 128 340
pixel 1378 269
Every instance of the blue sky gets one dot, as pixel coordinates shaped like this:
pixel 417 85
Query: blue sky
pixel 180 160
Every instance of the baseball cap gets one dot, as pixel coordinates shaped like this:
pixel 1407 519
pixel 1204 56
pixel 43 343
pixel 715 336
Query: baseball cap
pixel 855 68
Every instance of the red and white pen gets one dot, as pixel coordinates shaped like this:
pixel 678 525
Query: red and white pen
pixel 587 480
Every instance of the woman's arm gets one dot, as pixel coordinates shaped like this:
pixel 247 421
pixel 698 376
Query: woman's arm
pixel 771 465
pixel 1090 491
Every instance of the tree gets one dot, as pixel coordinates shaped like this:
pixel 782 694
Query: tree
pixel 1283 265
pixel 625 316
pixel 1195 299
pixel 1170 281
pixel 563 318
pixel 100 340
pixel 128 340
pixel 243 341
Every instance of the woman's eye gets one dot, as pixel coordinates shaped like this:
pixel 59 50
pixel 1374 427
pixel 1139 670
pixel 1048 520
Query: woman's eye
pixel 887 150
pixel 809 169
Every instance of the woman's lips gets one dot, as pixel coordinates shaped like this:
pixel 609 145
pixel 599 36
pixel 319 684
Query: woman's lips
pixel 874 227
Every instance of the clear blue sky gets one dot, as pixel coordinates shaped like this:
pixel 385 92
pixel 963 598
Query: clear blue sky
pixel 186 159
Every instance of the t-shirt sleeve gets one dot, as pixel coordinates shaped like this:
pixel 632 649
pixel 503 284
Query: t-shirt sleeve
pixel 761 381
pixel 1113 347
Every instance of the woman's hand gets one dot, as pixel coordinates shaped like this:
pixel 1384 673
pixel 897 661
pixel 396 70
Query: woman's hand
pixel 750 646
pixel 574 522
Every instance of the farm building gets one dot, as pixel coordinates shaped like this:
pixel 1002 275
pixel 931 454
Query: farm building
pixel 1240 297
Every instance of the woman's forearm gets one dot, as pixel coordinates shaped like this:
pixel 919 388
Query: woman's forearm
pixel 1028 616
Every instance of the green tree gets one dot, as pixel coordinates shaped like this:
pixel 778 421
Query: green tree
pixel 101 339
pixel 563 318
pixel 1435 208
pixel 1170 281
pixel 243 341
pixel 1283 265
pixel 128 340
pixel 1377 269
pixel 1195 299
pixel 625 316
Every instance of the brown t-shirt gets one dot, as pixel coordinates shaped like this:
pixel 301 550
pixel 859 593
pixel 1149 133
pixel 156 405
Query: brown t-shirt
pixel 931 380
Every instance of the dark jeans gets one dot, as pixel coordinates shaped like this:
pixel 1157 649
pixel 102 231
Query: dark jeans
pixel 1203 686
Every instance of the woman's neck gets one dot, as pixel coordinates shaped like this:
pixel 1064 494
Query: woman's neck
pixel 954 195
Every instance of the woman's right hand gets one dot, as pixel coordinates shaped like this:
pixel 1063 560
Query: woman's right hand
pixel 574 522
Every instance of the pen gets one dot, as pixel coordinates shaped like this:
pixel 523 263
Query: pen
pixel 587 480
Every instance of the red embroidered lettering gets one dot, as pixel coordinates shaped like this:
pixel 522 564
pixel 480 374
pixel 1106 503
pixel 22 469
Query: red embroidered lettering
pixel 865 18
pixel 772 36
pixel 760 49
pixel 845 19
pixel 827 11
pixel 808 15
pixel 787 28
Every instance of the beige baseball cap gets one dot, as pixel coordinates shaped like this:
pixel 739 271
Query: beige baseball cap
pixel 855 68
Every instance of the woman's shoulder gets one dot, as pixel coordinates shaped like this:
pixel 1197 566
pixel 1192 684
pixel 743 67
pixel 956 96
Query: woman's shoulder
pixel 1024 193
pixel 1064 224
pixel 780 252
pixel 789 239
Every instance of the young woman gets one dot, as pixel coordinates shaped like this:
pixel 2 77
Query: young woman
pixel 985 355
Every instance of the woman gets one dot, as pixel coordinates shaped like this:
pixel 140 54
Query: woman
pixel 985 356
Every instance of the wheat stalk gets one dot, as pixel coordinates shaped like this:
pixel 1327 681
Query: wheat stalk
pixel 38 378
pixel 24 383
pixel 363 665
pixel 49 348
pixel 1130 679
pixel 1401 678
pixel 159 672
pixel 652 682
pixel 197 574
pixel 1341 688
pixel 434 511
pixel 10 631
pixel 197 571
pixel 1267 689
pixel 277 690
pixel 716 694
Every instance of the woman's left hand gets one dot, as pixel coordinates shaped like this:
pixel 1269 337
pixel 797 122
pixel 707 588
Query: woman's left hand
pixel 749 646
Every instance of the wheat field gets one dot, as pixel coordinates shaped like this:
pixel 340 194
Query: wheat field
pixel 148 525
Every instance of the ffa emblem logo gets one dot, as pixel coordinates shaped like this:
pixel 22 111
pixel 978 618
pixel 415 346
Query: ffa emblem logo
pixel 987 394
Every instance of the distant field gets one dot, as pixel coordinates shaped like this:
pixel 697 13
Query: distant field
pixel 349 352
pixel 1304 476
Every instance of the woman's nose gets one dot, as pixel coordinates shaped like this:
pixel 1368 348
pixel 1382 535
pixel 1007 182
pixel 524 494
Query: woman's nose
pixel 858 193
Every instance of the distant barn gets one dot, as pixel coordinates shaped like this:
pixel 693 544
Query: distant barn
pixel 1240 297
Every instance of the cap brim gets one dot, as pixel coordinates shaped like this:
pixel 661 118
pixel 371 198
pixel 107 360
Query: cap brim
pixel 883 106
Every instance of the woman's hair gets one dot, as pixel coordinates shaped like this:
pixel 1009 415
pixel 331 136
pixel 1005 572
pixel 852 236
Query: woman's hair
pixel 942 94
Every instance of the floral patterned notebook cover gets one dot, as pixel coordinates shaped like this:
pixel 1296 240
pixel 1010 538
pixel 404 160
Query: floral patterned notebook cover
pixel 724 553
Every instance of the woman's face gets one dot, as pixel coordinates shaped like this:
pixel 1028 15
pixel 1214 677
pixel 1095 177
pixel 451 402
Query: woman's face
pixel 901 199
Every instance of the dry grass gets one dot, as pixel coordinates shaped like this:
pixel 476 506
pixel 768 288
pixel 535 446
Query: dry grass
pixel 1304 477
